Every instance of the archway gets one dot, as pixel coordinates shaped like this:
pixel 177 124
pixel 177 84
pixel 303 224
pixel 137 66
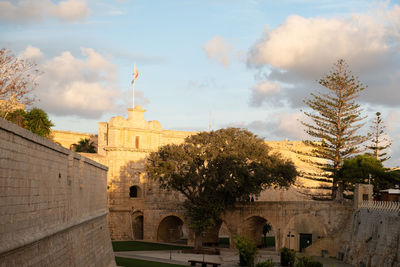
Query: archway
pixel 137 225
pixel 260 231
pixel 170 229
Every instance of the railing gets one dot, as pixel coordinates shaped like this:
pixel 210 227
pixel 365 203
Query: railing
pixel 389 206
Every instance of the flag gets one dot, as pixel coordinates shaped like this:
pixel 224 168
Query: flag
pixel 135 74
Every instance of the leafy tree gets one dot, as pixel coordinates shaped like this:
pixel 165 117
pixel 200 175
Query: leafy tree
pixel 85 146
pixel 17 80
pixel 379 142
pixel 35 120
pixel 38 122
pixel 335 120
pixel 214 170
pixel 247 250
pixel 362 167
pixel 17 117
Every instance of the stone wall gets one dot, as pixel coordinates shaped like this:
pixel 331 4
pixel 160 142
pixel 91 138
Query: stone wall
pixel 53 204
pixel 68 138
pixel 375 236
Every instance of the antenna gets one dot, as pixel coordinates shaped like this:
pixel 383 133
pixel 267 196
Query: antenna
pixel 209 122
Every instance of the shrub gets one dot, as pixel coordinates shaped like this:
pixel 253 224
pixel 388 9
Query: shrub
pixel 288 256
pixel 305 261
pixel 247 250
pixel 267 263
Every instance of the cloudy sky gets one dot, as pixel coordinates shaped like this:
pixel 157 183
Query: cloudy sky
pixel 222 63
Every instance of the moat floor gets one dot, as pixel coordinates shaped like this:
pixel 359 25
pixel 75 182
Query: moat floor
pixel 227 258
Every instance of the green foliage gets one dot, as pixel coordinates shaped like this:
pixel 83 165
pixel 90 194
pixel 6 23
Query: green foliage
pixel 38 122
pixel 35 120
pixel 247 250
pixel 214 170
pixel 378 141
pixel 267 263
pixel 288 256
pixel 266 228
pixel 85 146
pixel 358 169
pixel 305 261
pixel 17 117
pixel 335 121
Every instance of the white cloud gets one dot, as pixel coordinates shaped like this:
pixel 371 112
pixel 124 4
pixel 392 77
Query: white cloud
pixel 262 90
pixel 25 11
pixel 70 10
pixel 32 53
pixel 302 50
pixel 86 87
pixel 218 49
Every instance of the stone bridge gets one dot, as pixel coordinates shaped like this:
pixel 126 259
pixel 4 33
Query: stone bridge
pixel 295 224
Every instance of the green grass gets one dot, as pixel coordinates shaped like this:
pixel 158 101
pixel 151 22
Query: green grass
pixel 143 246
pixel 141 263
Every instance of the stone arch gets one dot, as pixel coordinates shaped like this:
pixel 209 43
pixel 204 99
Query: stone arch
pixel 305 225
pixel 253 229
pixel 135 191
pixel 170 229
pixel 137 225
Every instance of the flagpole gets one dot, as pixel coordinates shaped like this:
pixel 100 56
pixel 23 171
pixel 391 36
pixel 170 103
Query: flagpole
pixel 135 76
pixel 133 95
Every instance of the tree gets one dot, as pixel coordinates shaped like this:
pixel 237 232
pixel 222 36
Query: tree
pixel 35 120
pixel 214 170
pixel 336 118
pixel 38 122
pixel 85 146
pixel 17 117
pixel 379 142
pixel 17 81
pixel 366 168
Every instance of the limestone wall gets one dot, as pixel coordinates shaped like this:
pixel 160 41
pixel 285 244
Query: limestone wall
pixel 375 236
pixel 53 204
pixel 67 138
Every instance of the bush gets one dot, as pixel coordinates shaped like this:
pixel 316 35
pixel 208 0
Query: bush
pixel 267 263
pixel 288 256
pixel 305 261
pixel 247 250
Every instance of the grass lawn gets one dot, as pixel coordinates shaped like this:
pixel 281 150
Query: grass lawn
pixel 143 246
pixel 141 263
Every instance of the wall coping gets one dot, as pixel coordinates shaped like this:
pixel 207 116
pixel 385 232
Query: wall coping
pixel 25 134
pixel 55 229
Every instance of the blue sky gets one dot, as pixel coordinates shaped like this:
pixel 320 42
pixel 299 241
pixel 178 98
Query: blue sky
pixel 235 63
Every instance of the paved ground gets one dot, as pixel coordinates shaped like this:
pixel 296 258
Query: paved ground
pixel 228 257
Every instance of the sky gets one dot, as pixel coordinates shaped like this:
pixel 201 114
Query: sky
pixel 205 64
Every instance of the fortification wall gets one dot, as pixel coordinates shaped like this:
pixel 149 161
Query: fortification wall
pixel 53 204
pixel 375 235
pixel 68 138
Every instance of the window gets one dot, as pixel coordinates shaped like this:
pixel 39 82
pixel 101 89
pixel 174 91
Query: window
pixel 365 196
pixel 137 142
pixel 133 191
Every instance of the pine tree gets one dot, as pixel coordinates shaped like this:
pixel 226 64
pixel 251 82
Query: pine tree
pixel 379 141
pixel 335 120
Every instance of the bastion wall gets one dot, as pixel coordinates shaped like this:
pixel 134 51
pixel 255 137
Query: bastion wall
pixel 53 204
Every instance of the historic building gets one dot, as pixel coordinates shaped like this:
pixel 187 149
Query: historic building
pixel 138 208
